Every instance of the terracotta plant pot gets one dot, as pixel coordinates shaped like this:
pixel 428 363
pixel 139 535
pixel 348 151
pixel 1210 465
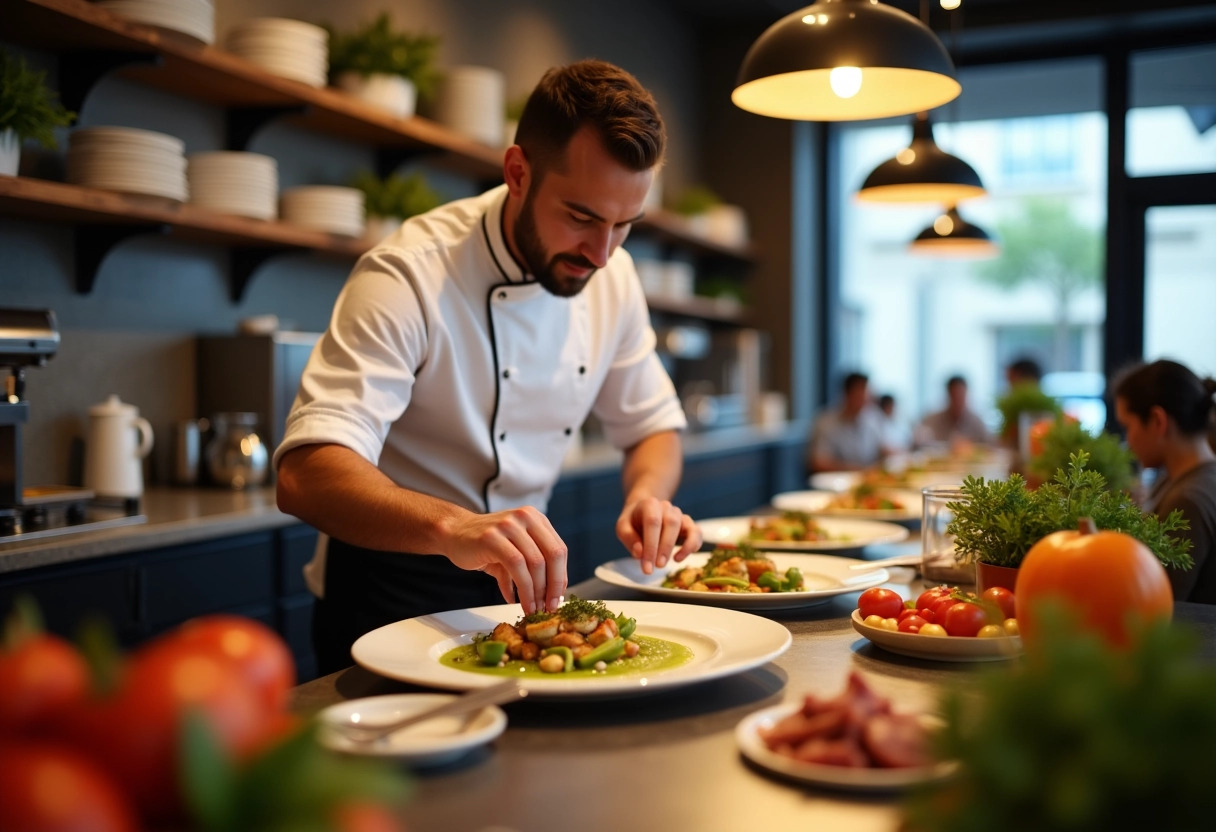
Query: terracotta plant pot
pixel 988 575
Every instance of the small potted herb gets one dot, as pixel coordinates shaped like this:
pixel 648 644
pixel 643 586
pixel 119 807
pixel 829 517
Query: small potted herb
pixel 384 67
pixel 998 521
pixel 28 110
pixel 388 202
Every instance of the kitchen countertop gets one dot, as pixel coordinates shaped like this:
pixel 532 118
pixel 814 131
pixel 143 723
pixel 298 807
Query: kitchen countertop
pixel 186 515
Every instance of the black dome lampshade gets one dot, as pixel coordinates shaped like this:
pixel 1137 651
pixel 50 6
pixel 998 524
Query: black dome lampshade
pixel 922 172
pixel 845 60
pixel 952 236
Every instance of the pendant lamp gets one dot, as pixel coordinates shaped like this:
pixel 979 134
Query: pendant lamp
pixel 845 60
pixel 952 236
pixel 922 172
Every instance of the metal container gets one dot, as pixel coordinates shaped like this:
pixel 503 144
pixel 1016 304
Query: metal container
pixel 236 455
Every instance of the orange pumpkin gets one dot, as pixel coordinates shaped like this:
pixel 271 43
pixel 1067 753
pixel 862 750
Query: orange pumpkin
pixel 1106 579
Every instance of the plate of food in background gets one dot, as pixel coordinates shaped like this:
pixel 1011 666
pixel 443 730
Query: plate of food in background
pixel 798 531
pixel 863 500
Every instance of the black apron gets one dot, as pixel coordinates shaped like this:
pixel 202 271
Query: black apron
pixel 366 589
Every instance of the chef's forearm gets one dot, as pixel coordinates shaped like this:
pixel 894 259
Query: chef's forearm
pixel 335 490
pixel 653 467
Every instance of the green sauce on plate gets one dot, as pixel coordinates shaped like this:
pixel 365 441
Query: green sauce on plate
pixel 656 654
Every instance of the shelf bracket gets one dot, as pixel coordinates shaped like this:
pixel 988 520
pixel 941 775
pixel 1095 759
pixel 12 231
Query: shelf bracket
pixel 243 123
pixel 94 242
pixel 388 159
pixel 79 72
pixel 244 261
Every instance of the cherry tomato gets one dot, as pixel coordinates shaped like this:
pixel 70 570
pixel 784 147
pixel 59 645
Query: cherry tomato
pixel 940 605
pixel 912 624
pixel 47 788
pixel 1010 626
pixel 908 613
pixel 929 596
pixel 259 652
pixel 879 601
pixel 927 614
pixel 933 630
pixel 1002 597
pixel 991 631
pixel 365 817
pixel 38 678
pixel 964 619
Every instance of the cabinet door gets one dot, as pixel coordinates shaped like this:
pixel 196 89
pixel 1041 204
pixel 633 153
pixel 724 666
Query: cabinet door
pixel 69 595
pixel 180 583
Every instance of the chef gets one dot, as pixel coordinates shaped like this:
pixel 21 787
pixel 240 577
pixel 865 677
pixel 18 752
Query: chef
pixel 463 354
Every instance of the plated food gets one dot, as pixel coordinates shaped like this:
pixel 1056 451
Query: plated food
pixel 861 500
pixel 782 532
pixel 722 642
pixel 735 569
pixel 823 577
pixel 855 740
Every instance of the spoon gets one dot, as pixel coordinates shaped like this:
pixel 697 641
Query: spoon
pixel 470 702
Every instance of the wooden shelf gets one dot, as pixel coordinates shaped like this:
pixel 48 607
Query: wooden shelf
pixel 707 309
pixel 673 228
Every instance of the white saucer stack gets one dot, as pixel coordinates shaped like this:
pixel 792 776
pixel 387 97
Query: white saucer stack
pixel 330 208
pixel 287 48
pixel 128 160
pixel 195 18
pixel 472 101
pixel 233 182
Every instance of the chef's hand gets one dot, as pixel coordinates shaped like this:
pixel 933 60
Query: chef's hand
pixel 519 549
pixel 650 528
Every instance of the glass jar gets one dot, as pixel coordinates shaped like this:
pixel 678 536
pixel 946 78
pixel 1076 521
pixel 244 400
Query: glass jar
pixel 938 563
pixel 236 455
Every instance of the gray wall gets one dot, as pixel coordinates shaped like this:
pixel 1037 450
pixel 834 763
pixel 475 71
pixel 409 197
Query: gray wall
pixel 133 335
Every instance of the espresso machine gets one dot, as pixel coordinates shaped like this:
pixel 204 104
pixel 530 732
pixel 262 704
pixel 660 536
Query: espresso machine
pixel 29 338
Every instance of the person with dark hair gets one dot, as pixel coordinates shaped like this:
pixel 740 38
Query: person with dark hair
pixel 1167 412
pixel 956 423
pixel 848 437
pixel 896 435
pixel 1023 370
pixel 463 354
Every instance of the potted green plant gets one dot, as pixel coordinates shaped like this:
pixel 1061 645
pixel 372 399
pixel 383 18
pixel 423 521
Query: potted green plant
pixel 387 68
pixel 997 521
pixel 1105 454
pixel 1023 398
pixel 388 202
pixel 28 110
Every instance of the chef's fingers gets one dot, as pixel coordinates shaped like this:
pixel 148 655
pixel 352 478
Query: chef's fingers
pixel 668 533
pixel 690 538
pixel 650 526
pixel 505 586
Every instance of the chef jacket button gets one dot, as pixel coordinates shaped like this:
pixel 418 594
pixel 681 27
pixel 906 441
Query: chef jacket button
pixel 506 373
pixel 568 431
pixel 502 437
pixel 582 370
pixel 502 295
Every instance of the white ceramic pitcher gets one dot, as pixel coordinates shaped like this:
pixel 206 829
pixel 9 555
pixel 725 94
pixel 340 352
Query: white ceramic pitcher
pixel 119 439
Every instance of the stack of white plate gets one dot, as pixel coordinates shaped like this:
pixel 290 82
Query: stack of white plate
pixel 329 208
pixel 471 100
pixel 195 18
pixel 129 160
pixel 288 48
pixel 231 182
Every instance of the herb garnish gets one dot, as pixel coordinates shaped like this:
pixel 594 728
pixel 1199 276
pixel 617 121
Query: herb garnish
pixel 578 609
pixel 720 555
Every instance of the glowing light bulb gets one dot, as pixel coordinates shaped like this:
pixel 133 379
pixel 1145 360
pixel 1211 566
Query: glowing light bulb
pixel 906 156
pixel 943 225
pixel 845 81
pixel 950 5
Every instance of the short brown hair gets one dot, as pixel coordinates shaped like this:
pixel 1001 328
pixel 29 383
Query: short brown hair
pixel 598 94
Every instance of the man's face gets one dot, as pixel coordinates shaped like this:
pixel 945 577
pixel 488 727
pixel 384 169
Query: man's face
pixel 575 215
pixel 857 396
pixel 958 397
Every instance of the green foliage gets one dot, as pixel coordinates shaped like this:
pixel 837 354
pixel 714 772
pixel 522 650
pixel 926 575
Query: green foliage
pixel 1046 243
pixel 396 196
pixel 1081 737
pixel 1002 519
pixel 27 106
pixel 695 201
pixel 377 48
pixel 1105 453
pixel 1024 397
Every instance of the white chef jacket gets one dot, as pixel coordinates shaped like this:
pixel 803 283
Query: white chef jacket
pixel 461 377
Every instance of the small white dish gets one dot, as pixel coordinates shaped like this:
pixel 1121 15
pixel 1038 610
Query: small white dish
pixel 747 735
pixel 430 743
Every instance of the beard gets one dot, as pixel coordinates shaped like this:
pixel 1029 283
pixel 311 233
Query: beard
pixel 539 263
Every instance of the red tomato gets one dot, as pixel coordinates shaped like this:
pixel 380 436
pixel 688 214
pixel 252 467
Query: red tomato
pixel 1003 598
pixel 38 678
pixel 365 817
pixel 881 602
pixel 135 734
pixel 930 596
pixel 927 614
pixel 259 652
pixel 939 607
pixel 46 788
pixel 907 613
pixel 963 619
pixel 912 624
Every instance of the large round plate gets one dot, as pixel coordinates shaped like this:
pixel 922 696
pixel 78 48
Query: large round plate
pixel 844 533
pixel 434 742
pixel 824 576
pixel 723 642
pixel 747 735
pixel 940 648
pixel 817 503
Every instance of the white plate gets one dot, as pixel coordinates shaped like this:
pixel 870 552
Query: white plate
pixel 747 734
pixel 826 576
pixel 723 642
pixel 816 502
pixel 844 533
pixel 835 480
pixel 434 742
pixel 940 648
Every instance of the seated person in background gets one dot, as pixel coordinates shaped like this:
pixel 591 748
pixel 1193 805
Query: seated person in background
pixel 1167 412
pixel 848 437
pixel 957 423
pixel 895 434
pixel 1024 371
